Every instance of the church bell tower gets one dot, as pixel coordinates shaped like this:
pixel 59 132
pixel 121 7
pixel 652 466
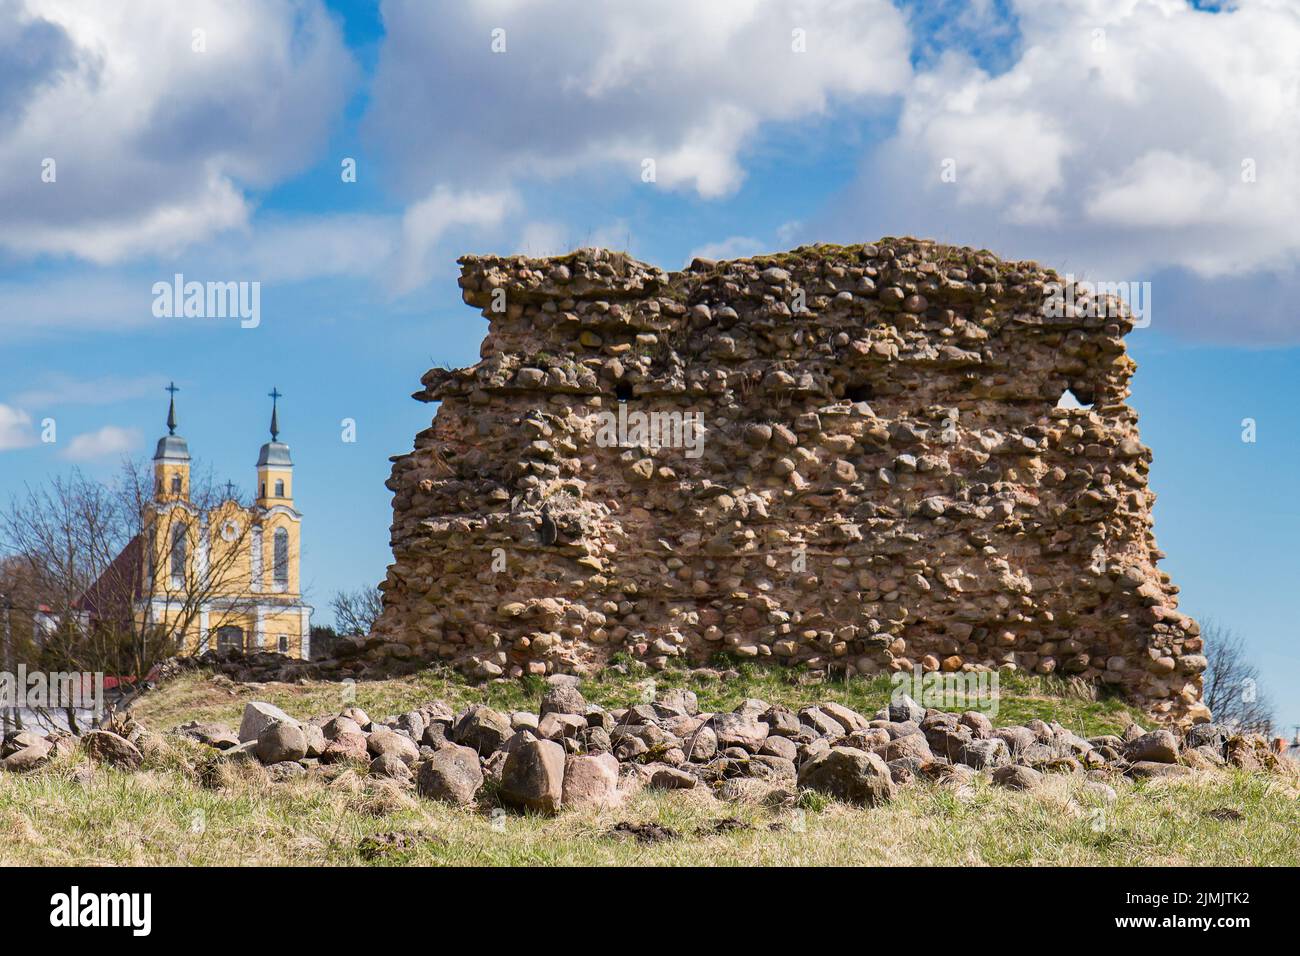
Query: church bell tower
pixel 171 460
pixel 274 465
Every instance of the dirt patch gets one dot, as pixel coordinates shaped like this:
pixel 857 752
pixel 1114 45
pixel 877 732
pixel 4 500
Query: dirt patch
pixel 643 832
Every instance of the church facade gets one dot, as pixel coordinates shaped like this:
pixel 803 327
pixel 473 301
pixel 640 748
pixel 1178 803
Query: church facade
pixel 227 575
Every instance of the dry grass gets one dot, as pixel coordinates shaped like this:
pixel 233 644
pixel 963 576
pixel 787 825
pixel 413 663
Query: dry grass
pixel 185 809
pixel 162 816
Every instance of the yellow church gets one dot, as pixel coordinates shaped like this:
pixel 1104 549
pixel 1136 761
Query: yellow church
pixel 226 577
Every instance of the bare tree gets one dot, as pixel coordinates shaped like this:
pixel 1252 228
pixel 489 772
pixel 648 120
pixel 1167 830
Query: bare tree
pixel 124 577
pixel 1232 683
pixel 355 612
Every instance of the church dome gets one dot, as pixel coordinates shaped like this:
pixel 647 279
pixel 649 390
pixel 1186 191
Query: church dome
pixel 274 453
pixel 172 448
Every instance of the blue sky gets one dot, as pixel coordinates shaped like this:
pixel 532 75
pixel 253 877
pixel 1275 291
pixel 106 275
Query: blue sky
pixel 1140 140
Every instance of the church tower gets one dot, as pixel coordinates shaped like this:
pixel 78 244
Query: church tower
pixel 275 500
pixel 274 466
pixel 171 460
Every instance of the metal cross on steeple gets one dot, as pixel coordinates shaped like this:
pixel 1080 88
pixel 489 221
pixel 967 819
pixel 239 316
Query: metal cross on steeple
pixel 171 408
pixel 275 396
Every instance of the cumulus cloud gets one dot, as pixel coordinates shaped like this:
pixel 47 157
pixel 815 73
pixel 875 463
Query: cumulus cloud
pixel 426 222
pixel 154 142
pixel 687 84
pixel 1131 139
pixel 15 428
pixel 102 443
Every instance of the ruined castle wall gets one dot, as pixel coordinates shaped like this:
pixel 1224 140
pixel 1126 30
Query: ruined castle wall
pixel 884 479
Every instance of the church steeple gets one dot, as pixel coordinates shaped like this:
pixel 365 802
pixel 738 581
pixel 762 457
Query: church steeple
pixel 274 463
pixel 171 460
pixel 171 408
pixel 274 395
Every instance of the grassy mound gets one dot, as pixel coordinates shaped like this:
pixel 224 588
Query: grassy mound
pixel 176 811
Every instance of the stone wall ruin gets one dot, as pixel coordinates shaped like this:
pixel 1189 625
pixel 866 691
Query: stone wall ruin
pixel 885 481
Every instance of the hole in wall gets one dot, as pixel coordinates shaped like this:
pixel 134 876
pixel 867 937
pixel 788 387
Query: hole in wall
pixel 1075 398
pixel 623 391
pixel 859 392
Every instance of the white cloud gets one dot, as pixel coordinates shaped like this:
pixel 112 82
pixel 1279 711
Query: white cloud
pixel 1161 190
pixel 15 428
pixel 578 89
pixel 426 222
pixel 305 247
pixel 155 143
pixel 60 389
pixel 1116 141
pixel 102 443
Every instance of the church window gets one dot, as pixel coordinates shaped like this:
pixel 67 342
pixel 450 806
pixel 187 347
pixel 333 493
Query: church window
pixel 281 558
pixel 279 488
pixel 176 484
pixel 230 637
pixel 180 542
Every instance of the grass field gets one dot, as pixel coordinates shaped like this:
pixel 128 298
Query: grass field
pixel 64 814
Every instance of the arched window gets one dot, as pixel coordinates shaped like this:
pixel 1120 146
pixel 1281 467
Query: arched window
pixel 281 558
pixel 180 544
pixel 279 488
pixel 176 484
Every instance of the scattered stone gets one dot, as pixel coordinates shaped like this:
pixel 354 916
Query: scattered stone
pixel 107 747
pixel 662 777
pixel 482 729
pixel 391 766
pixel 384 741
pixel 281 742
pixel 340 725
pixel 590 782
pixel 533 775
pixel 211 734
pixel 452 774
pixel 1159 746
pixel 902 707
pixel 562 697
pixel 739 730
pixel 346 748
pixel 847 774
pixel 259 715
pixel 1017 778
pixel 29 758
pixel 287 770
pixel 1152 768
